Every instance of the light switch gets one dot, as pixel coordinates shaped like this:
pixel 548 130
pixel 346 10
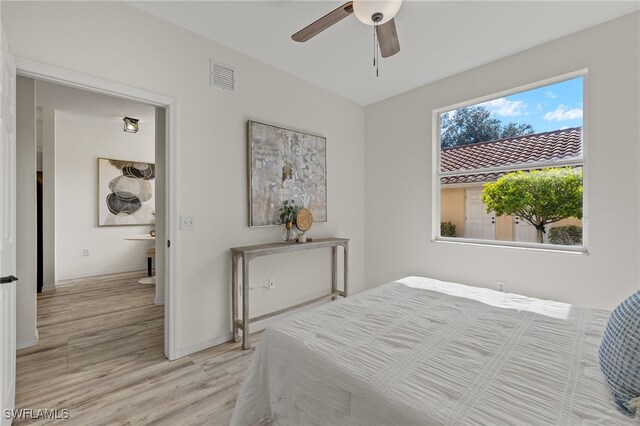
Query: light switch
pixel 187 223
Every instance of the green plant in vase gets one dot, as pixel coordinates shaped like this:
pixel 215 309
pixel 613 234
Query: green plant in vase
pixel 288 217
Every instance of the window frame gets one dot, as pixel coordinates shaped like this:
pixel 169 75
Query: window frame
pixel 436 174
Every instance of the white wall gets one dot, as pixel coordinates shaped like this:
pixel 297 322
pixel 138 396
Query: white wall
pixel 78 147
pixel 26 255
pixel 89 37
pixel 399 176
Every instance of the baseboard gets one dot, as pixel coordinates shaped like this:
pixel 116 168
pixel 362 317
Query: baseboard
pixel 202 345
pixel 129 270
pixel 27 343
pixel 158 302
pixel 254 327
pixel 48 288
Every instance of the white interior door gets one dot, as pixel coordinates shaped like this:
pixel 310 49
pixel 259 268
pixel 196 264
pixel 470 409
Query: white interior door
pixel 7 231
pixel 478 223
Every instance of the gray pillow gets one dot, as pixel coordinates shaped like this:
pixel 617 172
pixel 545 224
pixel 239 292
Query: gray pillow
pixel 620 354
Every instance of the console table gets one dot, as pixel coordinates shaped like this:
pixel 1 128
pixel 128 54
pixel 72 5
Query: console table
pixel 249 253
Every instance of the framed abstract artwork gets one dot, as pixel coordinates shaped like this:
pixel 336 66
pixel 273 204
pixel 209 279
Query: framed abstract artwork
pixel 284 165
pixel 126 192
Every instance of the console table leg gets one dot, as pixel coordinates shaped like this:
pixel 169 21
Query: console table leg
pixel 234 297
pixel 334 271
pixel 346 270
pixel 245 303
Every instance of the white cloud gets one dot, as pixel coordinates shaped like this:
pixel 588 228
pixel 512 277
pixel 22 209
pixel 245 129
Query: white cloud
pixel 539 107
pixel 505 107
pixel 550 94
pixel 563 113
pixel 564 127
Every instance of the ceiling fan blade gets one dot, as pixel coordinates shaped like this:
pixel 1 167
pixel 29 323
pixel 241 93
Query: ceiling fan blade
pixel 388 39
pixel 323 23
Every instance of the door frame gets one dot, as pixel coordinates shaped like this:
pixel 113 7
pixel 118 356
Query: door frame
pixel 8 221
pixel 45 72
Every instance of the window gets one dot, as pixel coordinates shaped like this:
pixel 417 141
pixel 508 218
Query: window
pixel 510 169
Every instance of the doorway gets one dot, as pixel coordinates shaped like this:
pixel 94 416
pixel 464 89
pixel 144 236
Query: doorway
pixel 97 217
pixel 165 123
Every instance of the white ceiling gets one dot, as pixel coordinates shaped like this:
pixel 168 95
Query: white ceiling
pixel 94 109
pixel 437 39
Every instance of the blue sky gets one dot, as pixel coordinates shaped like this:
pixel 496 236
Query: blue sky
pixel 547 108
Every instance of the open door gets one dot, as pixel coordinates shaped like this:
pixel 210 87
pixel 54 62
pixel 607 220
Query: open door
pixel 7 232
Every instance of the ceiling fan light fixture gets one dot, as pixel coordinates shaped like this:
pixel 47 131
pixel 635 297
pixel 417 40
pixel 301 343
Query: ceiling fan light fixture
pixel 365 10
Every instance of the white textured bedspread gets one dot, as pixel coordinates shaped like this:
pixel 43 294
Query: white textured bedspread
pixel 425 352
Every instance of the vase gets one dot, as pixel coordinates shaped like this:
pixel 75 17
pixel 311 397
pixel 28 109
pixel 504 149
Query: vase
pixel 289 234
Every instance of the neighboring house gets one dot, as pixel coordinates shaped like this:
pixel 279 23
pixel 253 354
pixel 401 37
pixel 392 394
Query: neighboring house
pixel 461 201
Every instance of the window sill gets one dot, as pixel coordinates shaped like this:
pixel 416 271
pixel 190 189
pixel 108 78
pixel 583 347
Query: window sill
pixel 548 248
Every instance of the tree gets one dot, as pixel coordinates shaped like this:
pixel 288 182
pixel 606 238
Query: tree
pixel 513 130
pixel 539 197
pixel 474 124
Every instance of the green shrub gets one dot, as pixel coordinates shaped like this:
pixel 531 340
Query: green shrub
pixel 567 235
pixel 447 229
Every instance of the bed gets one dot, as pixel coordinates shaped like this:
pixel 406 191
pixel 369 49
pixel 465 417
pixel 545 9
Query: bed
pixel 424 352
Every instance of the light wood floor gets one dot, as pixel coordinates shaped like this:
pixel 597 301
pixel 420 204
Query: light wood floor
pixel 100 356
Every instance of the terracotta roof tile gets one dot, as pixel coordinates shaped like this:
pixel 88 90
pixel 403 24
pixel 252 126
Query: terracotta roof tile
pixel 521 151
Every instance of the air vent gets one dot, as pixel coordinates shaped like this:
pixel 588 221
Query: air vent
pixel 222 76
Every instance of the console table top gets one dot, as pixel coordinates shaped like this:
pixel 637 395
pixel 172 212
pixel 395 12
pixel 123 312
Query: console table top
pixel 272 248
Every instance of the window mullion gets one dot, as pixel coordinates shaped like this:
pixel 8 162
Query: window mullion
pixel 513 168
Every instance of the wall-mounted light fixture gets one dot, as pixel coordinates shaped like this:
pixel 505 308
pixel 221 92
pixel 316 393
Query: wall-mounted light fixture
pixel 130 124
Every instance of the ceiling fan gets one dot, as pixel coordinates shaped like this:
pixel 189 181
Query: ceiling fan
pixel 376 13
